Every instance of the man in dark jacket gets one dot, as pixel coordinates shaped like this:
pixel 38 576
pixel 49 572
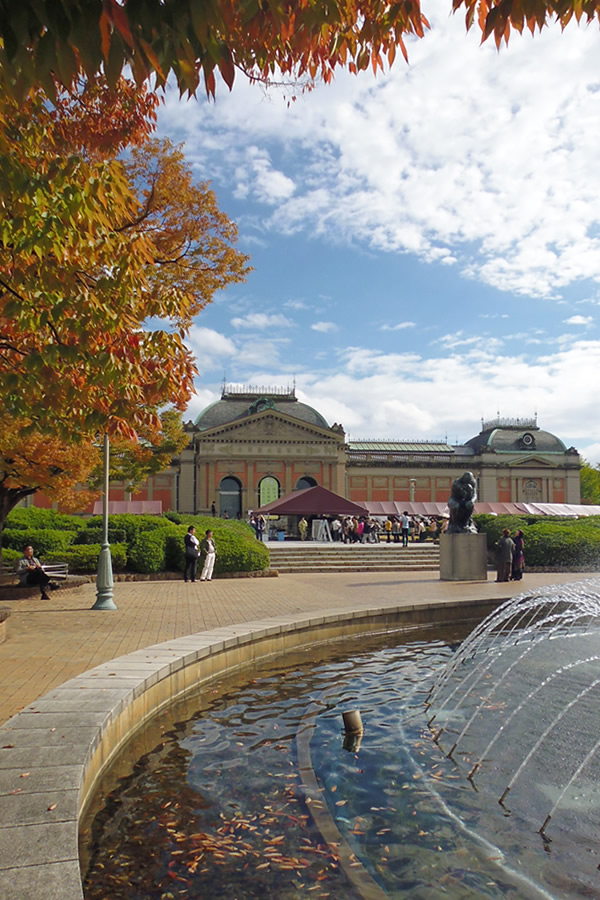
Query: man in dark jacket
pixel 191 554
pixel 504 554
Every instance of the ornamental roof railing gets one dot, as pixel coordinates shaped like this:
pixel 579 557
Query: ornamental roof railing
pixel 502 422
pixel 255 390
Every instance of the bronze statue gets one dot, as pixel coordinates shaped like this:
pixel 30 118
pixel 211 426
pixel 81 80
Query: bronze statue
pixel 461 505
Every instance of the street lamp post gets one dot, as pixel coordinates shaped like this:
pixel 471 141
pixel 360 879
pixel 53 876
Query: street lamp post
pixel 104 578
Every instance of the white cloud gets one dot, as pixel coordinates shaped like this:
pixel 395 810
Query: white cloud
pixel 261 321
pixel 296 304
pixel 467 156
pixel 207 343
pixel 324 327
pixel 258 352
pixel 579 320
pixel 399 327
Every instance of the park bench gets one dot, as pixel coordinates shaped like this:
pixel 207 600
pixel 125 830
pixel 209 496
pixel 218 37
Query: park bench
pixel 57 572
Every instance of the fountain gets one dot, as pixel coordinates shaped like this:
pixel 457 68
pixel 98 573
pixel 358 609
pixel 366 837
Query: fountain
pixel 517 710
pixel 252 789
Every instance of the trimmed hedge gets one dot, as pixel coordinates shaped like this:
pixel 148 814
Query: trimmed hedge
pixel 10 556
pixel 146 543
pixel 84 557
pixel 237 547
pixel 117 534
pixel 129 525
pixel 148 552
pixel 31 517
pixel 43 540
pixel 550 542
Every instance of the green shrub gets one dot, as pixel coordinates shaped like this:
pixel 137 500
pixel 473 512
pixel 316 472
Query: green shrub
pixel 493 526
pixel 554 542
pixel 236 544
pixel 84 557
pixel 128 525
pixel 148 552
pixel 10 556
pixel 564 545
pixel 173 516
pixel 236 553
pixel 24 518
pixel 43 540
pixel 117 534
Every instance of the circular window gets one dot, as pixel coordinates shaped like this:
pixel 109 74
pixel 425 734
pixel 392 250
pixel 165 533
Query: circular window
pixel 527 439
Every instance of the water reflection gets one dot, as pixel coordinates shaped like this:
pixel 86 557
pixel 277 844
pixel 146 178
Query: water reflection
pixel 211 802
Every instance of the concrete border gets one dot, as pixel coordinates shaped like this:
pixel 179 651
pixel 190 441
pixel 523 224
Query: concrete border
pixel 53 753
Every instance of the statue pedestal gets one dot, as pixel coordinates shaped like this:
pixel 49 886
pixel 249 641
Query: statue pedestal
pixel 463 557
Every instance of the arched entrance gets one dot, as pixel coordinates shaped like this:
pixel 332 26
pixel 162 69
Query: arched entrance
pixel 268 490
pixel 532 491
pixel 230 498
pixel 305 482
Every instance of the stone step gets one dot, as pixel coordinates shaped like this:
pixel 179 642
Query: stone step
pixel 319 558
pixel 373 549
pixel 352 557
pixel 319 568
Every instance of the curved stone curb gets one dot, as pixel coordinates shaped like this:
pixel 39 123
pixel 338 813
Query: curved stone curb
pixel 54 751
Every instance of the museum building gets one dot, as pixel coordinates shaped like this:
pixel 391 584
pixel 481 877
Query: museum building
pixel 254 445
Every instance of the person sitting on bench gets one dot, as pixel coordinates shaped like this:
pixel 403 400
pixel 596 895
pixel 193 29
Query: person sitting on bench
pixel 30 572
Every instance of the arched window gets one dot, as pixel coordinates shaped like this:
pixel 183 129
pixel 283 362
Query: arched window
pixel 532 492
pixel 268 490
pixel 305 482
pixel 230 497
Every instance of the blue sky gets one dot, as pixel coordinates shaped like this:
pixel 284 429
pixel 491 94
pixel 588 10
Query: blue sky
pixel 426 244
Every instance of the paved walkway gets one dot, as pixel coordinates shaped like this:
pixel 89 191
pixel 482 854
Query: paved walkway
pixel 51 641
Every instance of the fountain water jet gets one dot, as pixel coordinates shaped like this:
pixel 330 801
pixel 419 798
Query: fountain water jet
pixel 519 700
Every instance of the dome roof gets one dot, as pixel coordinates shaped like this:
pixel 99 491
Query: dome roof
pixel 523 436
pixel 239 405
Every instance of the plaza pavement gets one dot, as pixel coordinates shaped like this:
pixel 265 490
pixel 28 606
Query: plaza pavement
pixel 51 641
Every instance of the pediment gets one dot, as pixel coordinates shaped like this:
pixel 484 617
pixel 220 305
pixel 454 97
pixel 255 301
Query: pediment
pixel 532 461
pixel 269 425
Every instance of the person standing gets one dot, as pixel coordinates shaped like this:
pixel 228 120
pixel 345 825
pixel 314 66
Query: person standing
pixel 518 560
pixel 396 530
pixel 208 554
pixel 302 528
pixel 191 554
pixel 31 572
pixel 260 527
pixel 213 509
pixel 405 528
pixel 504 555
pixel 388 529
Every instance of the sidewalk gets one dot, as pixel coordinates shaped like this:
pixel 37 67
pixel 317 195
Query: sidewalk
pixel 51 641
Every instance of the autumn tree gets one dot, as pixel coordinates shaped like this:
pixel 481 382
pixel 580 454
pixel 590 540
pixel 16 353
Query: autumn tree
pixel 103 265
pixel 195 39
pixel 131 462
pixel 33 461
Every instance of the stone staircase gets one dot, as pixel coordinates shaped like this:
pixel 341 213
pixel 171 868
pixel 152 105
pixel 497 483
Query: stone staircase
pixel 312 557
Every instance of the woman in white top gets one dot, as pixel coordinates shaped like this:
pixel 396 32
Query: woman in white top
pixel 208 554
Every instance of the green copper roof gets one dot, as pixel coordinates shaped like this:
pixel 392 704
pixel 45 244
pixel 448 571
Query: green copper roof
pixel 400 447
pixel 237 406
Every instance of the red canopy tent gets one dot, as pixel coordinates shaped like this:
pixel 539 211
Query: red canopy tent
pixel 313 501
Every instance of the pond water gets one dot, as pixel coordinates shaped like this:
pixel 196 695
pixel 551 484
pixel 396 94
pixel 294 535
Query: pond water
pixel 251 790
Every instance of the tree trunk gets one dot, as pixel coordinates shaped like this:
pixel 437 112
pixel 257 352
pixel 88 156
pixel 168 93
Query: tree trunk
pixel 9 498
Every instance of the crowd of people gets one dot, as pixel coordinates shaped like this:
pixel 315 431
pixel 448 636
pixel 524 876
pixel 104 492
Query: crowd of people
pixel 376 529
